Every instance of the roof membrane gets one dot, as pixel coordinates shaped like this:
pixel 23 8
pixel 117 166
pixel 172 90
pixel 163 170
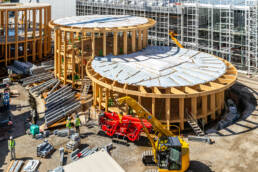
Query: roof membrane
pixel 101 21
pixel 157 66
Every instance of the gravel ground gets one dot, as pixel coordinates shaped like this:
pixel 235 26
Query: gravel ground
pixel 235 149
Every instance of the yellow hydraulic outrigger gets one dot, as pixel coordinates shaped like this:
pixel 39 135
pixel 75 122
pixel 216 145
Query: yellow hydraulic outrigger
pixel 172 36
pixel 169 152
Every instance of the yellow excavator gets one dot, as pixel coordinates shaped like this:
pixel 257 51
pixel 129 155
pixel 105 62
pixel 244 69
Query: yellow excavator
pixel 172 36
pixel 170 153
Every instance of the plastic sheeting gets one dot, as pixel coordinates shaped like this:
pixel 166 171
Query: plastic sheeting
pixel 161 67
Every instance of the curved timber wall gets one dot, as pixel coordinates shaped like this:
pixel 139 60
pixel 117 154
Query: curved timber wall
pixel 76 45
pixel 204 101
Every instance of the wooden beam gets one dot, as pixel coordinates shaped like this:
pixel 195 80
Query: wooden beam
pixel 222 99
pixel 229 76
pixel 95 93
pixel 65 60
pixel 73 58
pixel 55 52
pixel 153 102
pixel 194 107
pixel 59 53
pixel 205 87
pixel 40 33
pixel 16 34
pixel 133 40
pixel 106 99
pixel 224 81
pixel 100 97
pixel 142 90
pixel 181 112
pixel 139 40
pixel 34 36
pixel 216 85
pixel 45 31
pixel 204 109
pixel 176 91
pixel 6 35
pixel 82 58
pixel 156 90
pixel 104 44
pixel 213 108
pixel 168 111
pixel 125 43
pixel 93 44
pixel 218 103
pixel 191 90
pixel 144 38
pixel 115 44
pixel 140 100
pixel 125 86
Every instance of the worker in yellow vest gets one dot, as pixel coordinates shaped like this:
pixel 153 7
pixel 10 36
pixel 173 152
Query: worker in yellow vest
pixel 69 125
pixel 12 147
pixel 77 124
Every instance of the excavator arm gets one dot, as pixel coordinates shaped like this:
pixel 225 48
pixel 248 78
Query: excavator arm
pixel 144 114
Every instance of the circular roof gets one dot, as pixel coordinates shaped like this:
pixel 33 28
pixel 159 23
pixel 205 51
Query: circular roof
pixel 10 6
pixel 101 21
pixel 160 67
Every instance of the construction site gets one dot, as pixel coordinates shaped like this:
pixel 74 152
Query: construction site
pixel 124 85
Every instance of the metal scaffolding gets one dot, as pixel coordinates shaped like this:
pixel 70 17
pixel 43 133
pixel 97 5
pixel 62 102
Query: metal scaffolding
pixel 225 28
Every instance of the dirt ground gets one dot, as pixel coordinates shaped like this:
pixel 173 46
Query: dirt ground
pixel 235 149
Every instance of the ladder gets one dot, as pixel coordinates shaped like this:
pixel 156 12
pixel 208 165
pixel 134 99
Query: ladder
pixel 194 125
pixel 86 83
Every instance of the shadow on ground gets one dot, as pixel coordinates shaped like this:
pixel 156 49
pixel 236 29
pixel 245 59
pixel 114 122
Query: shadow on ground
pixel 245 98
pixel 197 166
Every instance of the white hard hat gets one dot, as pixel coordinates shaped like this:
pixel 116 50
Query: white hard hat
pixel 11 137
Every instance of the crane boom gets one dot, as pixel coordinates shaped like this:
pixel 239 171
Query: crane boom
pixel 172 36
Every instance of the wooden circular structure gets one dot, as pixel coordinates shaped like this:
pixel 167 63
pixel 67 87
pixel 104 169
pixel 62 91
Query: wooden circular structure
pixel 167 81
pixel 24 32
pixel 80 38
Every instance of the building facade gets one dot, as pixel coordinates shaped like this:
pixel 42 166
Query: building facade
pixel 227 29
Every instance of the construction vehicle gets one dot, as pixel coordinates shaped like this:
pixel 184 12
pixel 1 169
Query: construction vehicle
pixel 169 152
pixel 172 36
pixel 123 125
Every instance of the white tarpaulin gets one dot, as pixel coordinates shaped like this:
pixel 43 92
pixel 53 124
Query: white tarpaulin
pixel 98 162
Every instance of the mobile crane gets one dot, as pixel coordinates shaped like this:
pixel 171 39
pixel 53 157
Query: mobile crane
pixel 169 152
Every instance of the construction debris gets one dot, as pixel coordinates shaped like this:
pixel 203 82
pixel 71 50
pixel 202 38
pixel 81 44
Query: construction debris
pixel 62 133
pixel 39 89
pixel 20 67
pixel 60 104
pixel 75 155
pixel 36 78
pixel 31 166
pixel 74 142
pixel 85 152
pixel 205 139
pixel 44 149
pixel 16 166
pixel 61 150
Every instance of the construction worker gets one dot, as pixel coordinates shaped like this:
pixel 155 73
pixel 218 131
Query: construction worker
pixel 77 124
pixel 69 125
pixel 12 147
